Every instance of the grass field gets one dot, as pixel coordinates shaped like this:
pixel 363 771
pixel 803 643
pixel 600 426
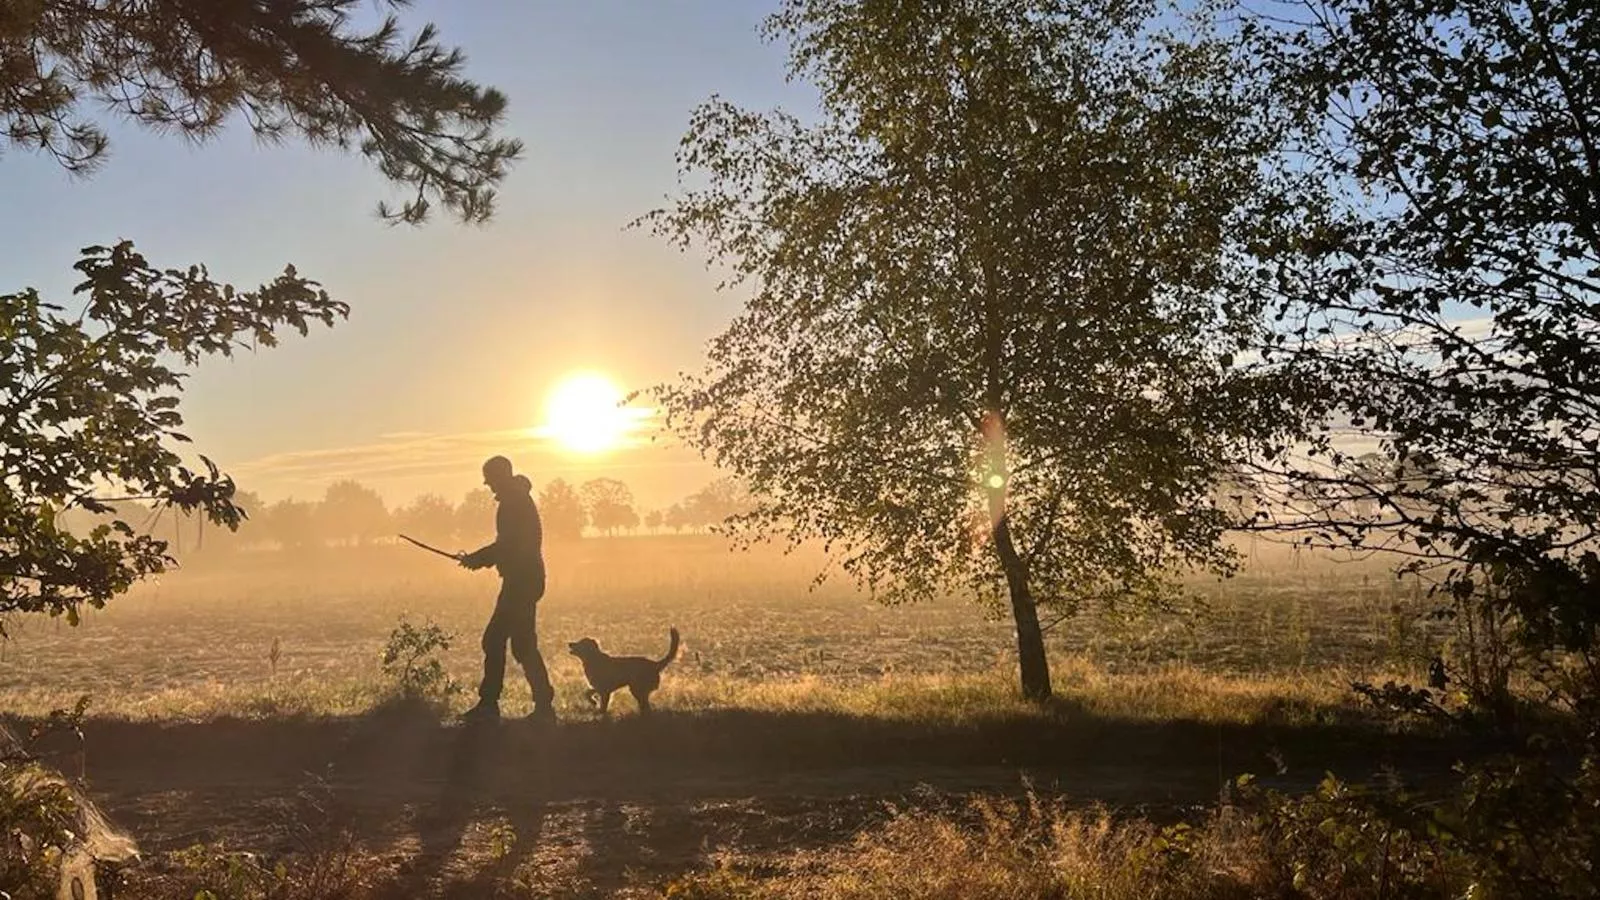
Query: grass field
pixel 793 723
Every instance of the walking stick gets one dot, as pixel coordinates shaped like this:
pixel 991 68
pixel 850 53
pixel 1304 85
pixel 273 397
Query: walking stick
pixel 447 555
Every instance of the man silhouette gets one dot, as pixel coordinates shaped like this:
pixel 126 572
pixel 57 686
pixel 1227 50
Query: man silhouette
pixel 517 554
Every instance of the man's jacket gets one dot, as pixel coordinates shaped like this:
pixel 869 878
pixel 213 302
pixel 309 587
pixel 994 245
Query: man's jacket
pixel 517 551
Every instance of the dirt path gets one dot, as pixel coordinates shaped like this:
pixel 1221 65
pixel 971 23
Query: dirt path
pixel 594 806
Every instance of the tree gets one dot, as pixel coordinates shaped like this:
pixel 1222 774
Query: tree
pixel 676 518
pixel 561 511
pixel 475 517
pixel 293 524
pixel 1445 296
pixel 987 343
pixel 1442 295
pixel 91 417
pixel 352 512
pixel 288 68
pixel 609 504
pixel 211 540
pixel 429 517
pixel 653 519
pixel 717 503
pixel 249 503
pixel 91 399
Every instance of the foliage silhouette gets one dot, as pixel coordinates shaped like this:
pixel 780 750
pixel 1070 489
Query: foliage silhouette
pixel 1449 309
pixel 1437 292
pixel 351 511
pixel 91 399
pixel 562 511
pixel 297 68
pixel 92 416
pixel 609 505
pixel 989 339
pixel 429 517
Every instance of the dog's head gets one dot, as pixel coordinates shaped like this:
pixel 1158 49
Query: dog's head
pixel 584 649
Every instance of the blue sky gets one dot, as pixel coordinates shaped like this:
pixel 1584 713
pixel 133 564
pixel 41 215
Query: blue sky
pixel 456 331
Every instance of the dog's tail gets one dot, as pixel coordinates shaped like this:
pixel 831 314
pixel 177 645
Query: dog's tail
pixel 672 651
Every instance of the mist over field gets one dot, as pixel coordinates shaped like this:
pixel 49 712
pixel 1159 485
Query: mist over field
pixel 837 449
pixel 794 708
pixel 199 641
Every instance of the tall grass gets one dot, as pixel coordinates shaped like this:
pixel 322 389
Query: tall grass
pixel 1003 849
pixel 1084 688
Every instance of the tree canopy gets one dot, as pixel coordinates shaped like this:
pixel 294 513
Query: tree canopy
pixel 988 337
pixel 429 517
pixel 1437 299
pixel 288 68
pixel 1445 298
pixel 91 418
pixel 608 504
pixel 351 511
pixel 91 397
pixel 562 511
pixel 475 516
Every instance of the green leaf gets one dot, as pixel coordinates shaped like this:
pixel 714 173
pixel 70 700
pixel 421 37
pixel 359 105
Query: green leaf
pixel 101 399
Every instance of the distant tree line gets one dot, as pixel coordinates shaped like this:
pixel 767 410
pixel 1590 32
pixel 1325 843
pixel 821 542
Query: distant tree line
pixel 351 514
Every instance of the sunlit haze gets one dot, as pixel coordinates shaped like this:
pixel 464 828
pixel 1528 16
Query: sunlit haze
pixel 457 334
pixel 799 448
pixel 584 414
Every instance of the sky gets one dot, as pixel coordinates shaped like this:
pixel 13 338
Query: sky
pixel 457 333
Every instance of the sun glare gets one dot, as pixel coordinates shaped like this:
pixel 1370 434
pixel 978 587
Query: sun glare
pixel 583 413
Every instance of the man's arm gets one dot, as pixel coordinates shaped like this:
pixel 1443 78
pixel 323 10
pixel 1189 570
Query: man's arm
pixel 481 558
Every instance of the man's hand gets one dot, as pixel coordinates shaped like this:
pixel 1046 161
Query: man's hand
pixel 478 559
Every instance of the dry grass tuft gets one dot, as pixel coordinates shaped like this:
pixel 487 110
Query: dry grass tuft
pixel 1001 849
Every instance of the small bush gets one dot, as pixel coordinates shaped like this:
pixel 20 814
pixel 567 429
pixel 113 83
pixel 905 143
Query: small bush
pixel 410 659
pixel 1517 826
pixel 50 834
pixel 37 815
pixel 721 883
pixel 215 872
pixel 322 860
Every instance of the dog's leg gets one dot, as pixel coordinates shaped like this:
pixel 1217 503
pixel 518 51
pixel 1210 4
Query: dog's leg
pixel 642 696
pixel 605 702
pixel 593 697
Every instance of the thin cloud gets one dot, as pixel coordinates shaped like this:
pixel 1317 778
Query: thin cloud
pixel 410 458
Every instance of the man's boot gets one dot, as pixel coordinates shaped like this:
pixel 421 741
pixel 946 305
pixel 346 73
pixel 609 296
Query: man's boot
pixel 484 711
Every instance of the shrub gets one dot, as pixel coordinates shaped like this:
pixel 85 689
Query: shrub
pixel 410 659
pixel 50 834
pixel 1524 825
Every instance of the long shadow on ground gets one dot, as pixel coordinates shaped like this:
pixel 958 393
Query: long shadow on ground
pixel 602 798
pixel 405 754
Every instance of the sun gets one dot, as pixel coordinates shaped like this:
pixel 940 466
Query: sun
pixel 584 414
